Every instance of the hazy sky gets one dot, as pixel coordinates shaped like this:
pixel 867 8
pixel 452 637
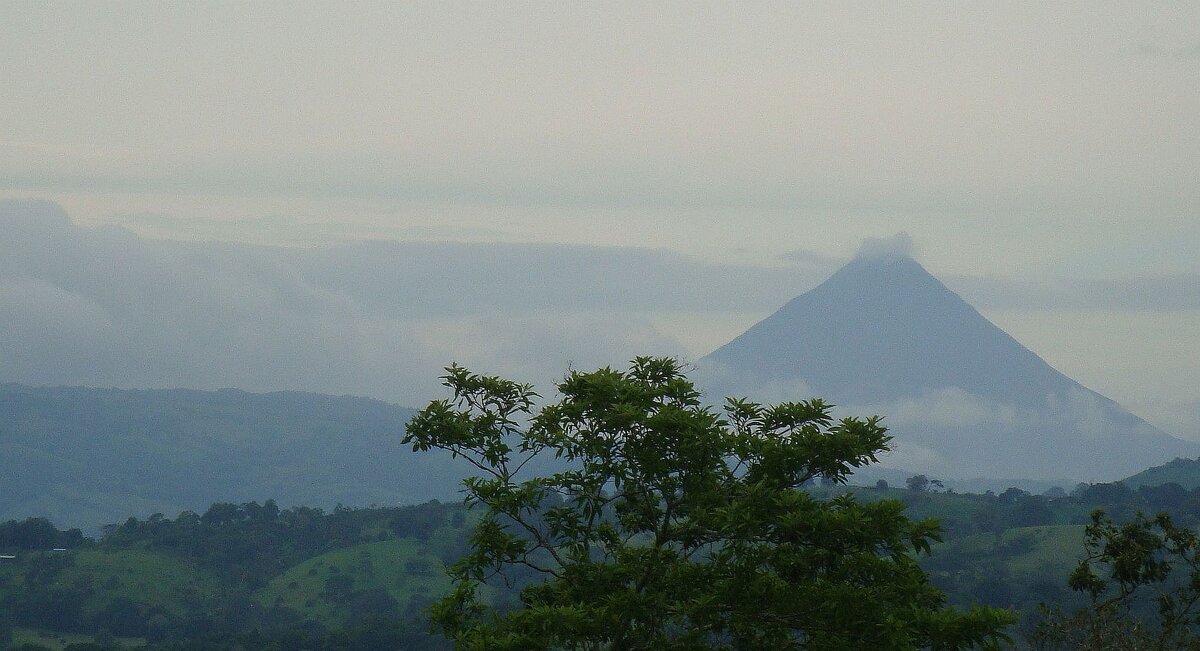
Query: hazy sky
pixel 1043 156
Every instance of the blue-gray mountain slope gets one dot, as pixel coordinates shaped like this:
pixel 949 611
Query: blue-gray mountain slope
pixel 962 397
pixel 87 457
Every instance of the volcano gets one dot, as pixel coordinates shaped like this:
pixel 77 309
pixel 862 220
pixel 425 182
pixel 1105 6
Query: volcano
pixel 961 397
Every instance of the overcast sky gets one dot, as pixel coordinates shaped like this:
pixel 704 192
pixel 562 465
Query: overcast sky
pixel 1043 157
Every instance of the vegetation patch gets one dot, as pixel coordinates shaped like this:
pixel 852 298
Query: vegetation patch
pixel 361 580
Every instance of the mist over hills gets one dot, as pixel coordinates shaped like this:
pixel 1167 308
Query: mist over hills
pixel 103 306
pixel 86 457
pixel 106 307
pixel 962 397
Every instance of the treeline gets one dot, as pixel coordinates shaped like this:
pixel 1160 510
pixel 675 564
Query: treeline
pixel 234 550
pixel 991 512
pixel 1121 501
pixel 38 534
pixel 252 542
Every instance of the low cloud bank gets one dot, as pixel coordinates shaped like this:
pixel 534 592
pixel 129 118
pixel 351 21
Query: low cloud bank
pixel 948 432
pixel 104 307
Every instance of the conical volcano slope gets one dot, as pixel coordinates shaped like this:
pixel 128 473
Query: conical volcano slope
pixel 962 397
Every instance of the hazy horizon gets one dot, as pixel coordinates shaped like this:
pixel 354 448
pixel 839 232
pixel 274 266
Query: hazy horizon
pixel 574 185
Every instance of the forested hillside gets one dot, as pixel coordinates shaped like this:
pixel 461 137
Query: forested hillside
pixel 265 577
pixel 1185 472
pixel 202 579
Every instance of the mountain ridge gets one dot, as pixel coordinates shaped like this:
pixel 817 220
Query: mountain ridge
pixel 86 456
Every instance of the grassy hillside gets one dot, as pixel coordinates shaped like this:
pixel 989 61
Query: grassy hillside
pixel 93 591
pixel 141 575
pixel 88 457
pixel 399 574
pixel 1017 568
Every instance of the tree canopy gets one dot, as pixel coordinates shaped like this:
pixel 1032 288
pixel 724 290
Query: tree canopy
pixel 672 525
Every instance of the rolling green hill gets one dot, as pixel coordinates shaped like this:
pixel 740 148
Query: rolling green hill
pixel 106 587
pixel 389 574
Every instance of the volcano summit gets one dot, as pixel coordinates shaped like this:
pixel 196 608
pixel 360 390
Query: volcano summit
pixel 962 398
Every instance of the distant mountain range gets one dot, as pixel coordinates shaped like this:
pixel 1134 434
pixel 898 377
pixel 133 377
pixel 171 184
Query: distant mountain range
pixel 87 457
pixel 962 398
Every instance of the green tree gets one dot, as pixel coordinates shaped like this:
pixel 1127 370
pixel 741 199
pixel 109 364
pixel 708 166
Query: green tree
pixel 917 483
pixel 1143 581
pixel 675 527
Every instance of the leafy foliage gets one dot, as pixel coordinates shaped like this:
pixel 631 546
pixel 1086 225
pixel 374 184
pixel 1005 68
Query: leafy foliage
pixel 37 534
pixel 678 528
pixel 1124 562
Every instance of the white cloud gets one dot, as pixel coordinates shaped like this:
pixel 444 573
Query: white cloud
pixel 718 381
pixel 906 455
pixel 949 407
pixel 899 245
